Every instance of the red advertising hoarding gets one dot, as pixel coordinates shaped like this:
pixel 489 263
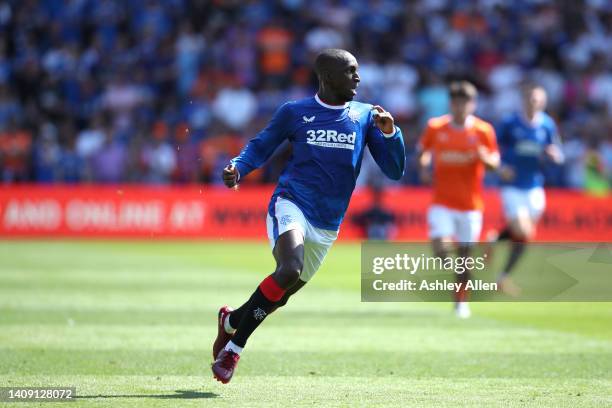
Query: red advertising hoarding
pixel 219 213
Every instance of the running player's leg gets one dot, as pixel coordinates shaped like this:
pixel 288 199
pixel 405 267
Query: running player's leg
pixel 236 315
pixel 469 225
pixel 230 319
pixel 523 209
pixel 286 230
pixel 441 230
pixel 289 254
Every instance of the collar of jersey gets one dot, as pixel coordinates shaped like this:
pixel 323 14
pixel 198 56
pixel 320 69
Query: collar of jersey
pixel 537 120
pixel 325 105
pixel 469 122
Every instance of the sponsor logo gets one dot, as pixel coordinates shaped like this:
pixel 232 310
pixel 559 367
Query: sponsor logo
pixel 308 120
pixel 528 148
pixel 457 157
pixel 331 138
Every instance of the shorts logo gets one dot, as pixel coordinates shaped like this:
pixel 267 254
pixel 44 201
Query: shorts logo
pixel 331 138
pixel 259 314
pixel 285 219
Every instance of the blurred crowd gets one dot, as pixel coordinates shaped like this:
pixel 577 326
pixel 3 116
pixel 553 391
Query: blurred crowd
pixel 166 91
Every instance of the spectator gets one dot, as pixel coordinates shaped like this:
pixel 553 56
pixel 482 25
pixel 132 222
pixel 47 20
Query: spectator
pixel 235 106
pixel 158 157
pixel 187 158
pixel 47 154
pixel 377 222
pixel 109 162
pixel 15 145
pixel 202 64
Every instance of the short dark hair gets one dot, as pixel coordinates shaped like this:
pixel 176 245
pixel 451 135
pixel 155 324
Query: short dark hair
pixel 327 58
pixel 462 89
pixel 529 86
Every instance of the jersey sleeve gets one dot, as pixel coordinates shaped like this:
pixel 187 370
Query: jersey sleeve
pixel 489 138
pixel 388 151
pixel 504 139
pixel 260 148
pixel 553 134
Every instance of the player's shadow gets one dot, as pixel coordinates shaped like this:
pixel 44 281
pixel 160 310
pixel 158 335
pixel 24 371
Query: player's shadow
pixel 179 394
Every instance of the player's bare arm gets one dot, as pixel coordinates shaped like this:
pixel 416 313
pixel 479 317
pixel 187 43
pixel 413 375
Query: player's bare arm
pixel 424 162
pixel 553 152
pixel 489 158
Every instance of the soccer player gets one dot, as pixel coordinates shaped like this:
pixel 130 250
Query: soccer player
pixel 526 139
pixel 461 146
pixel 329 133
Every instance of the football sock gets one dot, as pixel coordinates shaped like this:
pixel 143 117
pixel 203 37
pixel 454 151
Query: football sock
pixel 234 320
pixel 236 315
pixel 504 234
pixel 230 346
pixel 262 302
pixel 516 250
pixel 462 294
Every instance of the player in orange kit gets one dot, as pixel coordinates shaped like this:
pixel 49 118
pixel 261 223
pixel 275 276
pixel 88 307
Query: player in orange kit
pixel 460 146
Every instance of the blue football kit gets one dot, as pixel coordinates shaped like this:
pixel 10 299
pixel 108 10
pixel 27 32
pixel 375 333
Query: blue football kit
pixel 522 147
pixel 328 145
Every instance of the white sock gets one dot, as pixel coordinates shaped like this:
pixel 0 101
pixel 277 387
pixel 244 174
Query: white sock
pixel 230 346
pixel 228 328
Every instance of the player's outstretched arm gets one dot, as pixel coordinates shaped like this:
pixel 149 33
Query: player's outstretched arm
pixel 259 149
pixel 386 144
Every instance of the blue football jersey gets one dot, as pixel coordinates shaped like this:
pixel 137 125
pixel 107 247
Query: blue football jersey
pixel 522 147
pixel 328 145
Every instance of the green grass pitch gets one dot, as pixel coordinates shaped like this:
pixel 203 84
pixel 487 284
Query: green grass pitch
pixel 131 324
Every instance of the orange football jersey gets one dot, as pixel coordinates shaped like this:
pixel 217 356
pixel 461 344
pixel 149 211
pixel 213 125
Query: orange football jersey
pixel 457 172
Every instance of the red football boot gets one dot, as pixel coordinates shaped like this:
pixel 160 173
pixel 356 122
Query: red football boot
pixel 223 337
pixel 223 368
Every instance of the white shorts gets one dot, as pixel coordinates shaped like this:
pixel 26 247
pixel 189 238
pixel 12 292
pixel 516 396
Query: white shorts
pixel 317 241
pixel 518 202
pixel 463 226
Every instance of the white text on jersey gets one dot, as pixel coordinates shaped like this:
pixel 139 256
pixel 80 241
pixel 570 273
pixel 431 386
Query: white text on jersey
pixel 331 138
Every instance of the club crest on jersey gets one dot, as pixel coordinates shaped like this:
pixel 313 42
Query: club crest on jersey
pixel 331 138
pixel 353 115
pixel 308 120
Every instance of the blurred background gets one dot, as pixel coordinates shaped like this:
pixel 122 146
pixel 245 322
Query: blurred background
pixel 166 91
